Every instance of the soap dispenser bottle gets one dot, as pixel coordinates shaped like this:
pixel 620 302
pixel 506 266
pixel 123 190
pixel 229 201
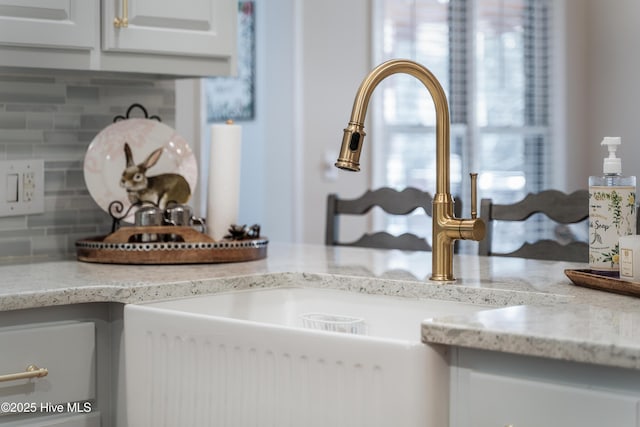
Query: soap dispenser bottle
pixel 612 211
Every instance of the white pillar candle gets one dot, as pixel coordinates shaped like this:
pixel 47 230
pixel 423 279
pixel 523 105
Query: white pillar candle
pixel 224 179
pixel 629 255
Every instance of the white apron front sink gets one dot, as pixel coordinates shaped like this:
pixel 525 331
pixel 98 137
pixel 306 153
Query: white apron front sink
pixel 249 358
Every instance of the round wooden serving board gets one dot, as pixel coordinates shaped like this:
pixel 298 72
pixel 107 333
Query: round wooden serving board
pixel 122 247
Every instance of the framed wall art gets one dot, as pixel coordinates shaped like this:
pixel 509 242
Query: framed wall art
pixel 233 97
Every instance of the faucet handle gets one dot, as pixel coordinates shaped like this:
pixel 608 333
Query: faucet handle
pixel 472 228
pixel 474 195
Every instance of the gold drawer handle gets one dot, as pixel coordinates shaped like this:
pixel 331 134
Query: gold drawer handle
pixel 32 371
pixel 122 22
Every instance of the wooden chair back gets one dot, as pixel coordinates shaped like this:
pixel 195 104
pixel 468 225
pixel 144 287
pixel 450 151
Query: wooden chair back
pixel 391 201
pixel 560 207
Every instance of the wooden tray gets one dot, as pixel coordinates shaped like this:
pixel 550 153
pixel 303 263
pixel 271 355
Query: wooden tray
pixel 123 247
pixel 609 283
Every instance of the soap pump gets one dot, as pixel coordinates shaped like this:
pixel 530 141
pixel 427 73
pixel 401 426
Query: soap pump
pixel 612 210
pixel 612 165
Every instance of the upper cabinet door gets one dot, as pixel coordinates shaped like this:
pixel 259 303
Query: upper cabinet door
pixel 171 27
pixel 67 24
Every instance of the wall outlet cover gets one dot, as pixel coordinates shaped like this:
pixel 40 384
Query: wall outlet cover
pixel 21 187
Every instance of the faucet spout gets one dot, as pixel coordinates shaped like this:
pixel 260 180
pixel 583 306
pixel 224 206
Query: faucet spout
pixel 446 228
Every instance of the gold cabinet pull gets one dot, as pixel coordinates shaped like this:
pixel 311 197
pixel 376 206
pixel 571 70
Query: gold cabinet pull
pixel 32 371
pixel 123 21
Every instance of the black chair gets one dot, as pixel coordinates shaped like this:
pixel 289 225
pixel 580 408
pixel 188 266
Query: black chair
pixel 560 207
pixel 391 201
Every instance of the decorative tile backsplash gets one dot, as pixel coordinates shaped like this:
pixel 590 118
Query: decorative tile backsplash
pixel 55 118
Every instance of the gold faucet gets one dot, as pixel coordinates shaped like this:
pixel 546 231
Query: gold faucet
pixel 446 228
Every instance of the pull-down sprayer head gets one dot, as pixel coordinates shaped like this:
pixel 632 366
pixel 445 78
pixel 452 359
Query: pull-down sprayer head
pixel 349 158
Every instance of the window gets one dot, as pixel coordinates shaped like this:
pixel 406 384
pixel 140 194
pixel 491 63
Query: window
pixel 492 58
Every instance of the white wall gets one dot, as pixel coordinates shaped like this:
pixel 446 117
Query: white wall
pixel 601 88
pixel 614 87
pixel 569 96
pixel 335 53
pixel 266 184
pixel 312 56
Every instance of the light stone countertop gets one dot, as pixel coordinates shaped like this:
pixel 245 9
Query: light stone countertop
pixel 533 308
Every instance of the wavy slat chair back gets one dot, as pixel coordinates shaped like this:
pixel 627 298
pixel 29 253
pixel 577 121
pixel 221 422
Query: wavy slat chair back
pixel 391 201
pixel 561 207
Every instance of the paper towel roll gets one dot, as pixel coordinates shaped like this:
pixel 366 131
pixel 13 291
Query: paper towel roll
pixel 224 179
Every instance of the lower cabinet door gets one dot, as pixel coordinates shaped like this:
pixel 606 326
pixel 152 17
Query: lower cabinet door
pixel 66 350
pixel 499 401
pixel 89 420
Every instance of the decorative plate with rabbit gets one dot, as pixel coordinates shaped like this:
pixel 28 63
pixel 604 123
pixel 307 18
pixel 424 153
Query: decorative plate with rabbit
pixel 139 160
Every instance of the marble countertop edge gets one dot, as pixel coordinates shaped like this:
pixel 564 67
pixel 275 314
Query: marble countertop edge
pixel 527 344
pixel 136 292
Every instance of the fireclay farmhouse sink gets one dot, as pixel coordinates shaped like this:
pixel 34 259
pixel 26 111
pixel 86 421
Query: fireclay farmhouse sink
pixel 286 357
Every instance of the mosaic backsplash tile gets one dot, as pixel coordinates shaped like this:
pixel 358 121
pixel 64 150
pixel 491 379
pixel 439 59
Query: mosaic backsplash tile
pixel 55 118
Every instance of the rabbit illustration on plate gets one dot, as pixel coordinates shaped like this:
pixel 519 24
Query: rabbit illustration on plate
pixel 159 189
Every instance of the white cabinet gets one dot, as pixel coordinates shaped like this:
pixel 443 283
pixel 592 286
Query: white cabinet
pixel 172 38
pixel 497 390
pixel 67 24
pixel 496 400
pixel 186 27
pixel 88 420
pixel 79 345
pixel 67 351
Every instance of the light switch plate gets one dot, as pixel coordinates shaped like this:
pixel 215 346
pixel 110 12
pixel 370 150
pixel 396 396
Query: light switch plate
pixel 29 187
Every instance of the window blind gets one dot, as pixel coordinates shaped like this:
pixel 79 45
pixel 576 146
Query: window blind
pixel 492 57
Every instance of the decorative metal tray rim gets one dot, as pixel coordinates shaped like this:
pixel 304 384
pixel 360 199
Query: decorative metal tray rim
pixel 96 243
pixel 191 247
